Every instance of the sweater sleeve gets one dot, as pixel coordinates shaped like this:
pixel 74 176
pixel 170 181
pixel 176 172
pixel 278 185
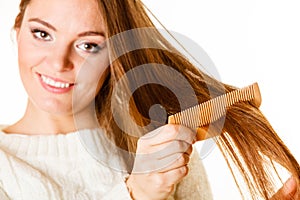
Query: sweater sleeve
pixel 195 185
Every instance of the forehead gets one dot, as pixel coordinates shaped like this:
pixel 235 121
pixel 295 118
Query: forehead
pixel 66 13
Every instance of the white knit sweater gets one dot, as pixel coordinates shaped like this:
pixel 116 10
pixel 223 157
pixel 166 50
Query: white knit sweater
pixel 56 167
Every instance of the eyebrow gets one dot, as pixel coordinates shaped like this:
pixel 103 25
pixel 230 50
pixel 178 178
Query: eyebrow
pixel 91 33
pixel 42 22
pixel 87 33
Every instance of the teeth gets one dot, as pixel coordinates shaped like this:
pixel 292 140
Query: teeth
pixel 53 83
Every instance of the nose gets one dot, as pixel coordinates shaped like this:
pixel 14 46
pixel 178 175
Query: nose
pixel 60 58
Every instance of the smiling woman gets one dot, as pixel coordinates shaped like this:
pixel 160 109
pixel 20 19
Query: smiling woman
pixel 89 132
pixel 51 53
pixel 64 67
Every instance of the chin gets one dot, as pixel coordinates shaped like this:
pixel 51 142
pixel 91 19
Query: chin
pixel 55 108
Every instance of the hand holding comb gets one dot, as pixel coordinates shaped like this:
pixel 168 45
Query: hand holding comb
pixel 205 113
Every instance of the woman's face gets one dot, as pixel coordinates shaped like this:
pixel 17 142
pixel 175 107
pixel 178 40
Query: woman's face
pixel 62 54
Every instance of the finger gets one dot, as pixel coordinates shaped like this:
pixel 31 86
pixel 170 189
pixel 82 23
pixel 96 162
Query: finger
pixel 181 160
pixel 164 158
pixel 174 176
pixel 189 151
pixel 176 139
pixel 168 133
pixel 287 191
pixel 174 147
pixel 165 149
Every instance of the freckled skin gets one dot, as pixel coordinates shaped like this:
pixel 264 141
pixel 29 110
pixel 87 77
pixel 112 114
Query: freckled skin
pixel 56 39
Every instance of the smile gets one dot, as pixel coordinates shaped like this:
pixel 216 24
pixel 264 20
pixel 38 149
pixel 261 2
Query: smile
pixel 54 83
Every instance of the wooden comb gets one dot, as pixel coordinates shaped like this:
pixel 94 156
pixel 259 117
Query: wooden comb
pixel 197 117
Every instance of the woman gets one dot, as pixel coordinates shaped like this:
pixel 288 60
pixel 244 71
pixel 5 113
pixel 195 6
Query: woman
pixel 72 63
pixel 51 55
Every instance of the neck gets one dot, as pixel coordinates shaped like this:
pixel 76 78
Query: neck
pixel 37 122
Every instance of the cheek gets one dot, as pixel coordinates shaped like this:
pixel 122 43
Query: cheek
pixel 94 70
pixel 25 60
pixel 90 78
pixel 28 54
pixel 24 55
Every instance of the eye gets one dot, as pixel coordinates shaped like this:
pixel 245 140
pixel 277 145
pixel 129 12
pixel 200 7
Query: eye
pixel 41 35
pixel 89 47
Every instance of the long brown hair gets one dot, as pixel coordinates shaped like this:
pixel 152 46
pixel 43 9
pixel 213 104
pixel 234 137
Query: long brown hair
pixel 248 142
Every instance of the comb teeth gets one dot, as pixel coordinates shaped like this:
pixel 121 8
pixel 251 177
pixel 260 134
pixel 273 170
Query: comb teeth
pixel 214 109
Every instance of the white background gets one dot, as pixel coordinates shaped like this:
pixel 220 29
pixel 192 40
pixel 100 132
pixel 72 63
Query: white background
pixel 249 41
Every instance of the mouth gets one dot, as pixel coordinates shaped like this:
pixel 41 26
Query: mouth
pixel 54 85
